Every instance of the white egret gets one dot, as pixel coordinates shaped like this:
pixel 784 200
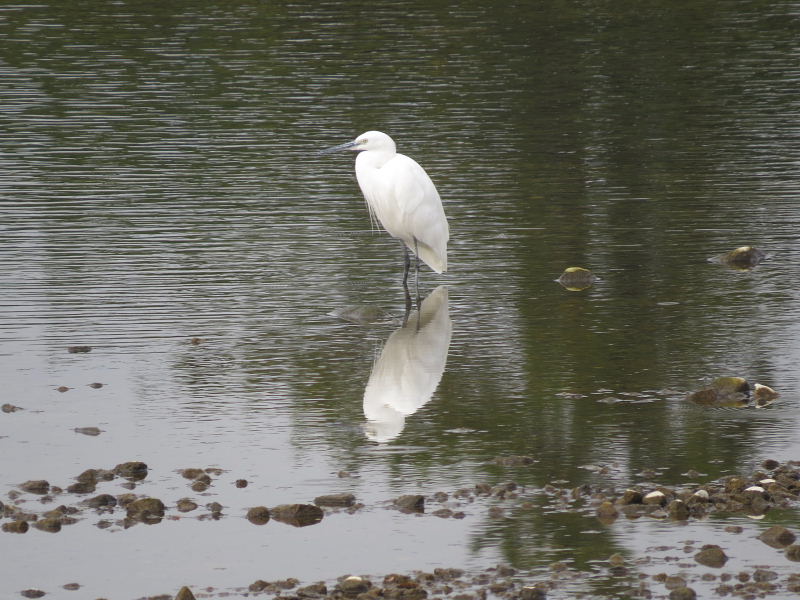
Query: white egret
pixel 402 197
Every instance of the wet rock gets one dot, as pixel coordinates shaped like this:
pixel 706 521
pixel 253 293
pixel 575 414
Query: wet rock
pixel 607 512
pixel 655 498
pixel 95 475
pixel 682 593
pixel 532 593
pixel 192 473
pixel 792 552
pixel 616 560
pixel 82 487
pixel 711 555
pixel 215 508
pixel 35 486
pixel 184 594
pixel 723 391
pixel 96 385
pixel 101 501
pixel 678 510
pixel 770 464
pixel 630 496
pixel 761 575
pixel 91 431
pixel 514 461
pixel 353 585
pixel 673 582
pixel 764 395
pixel 335 500
pixel 63 388
pixel 71 586
pixel 18 527
pixel 31 593
pixel 410 503
pixel 50 524
pixel 258 515
pixel 9 408
pixel 315 590
pixel 241 483
pixel 576 279
pixel 135 470
pixel 146 509
pixel 199 486
pixel 743 257
pixel 299 515
pixel 186 505
pixel 79 349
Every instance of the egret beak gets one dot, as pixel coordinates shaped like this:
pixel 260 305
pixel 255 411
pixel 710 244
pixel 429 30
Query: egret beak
pixel 345 146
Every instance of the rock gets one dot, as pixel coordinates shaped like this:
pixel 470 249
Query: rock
pixel 792 552
pixel 186 505
pixel 103 500
pixel 82 487
pixel 630 496
pixel 79 349
pixel 298 515
pixel 743 257
pixel 764 395
pixel 91 431
pixel 50 524
pixel 410 503
pixel 31 593
pixel 711 555
pixel 770 464
pixel 777 537
pixel 616 560
pixel 184 594
pixel 682 593
pixel 71 586
pixel 532 593
pixel 241 483
pixel 35 486
pixel 576 279
pixel 655 498
pixel 18 527
pixel 513 461
pixel 214 507
pixel 96 385
pixel 607 512
pixel 63 388
pixel 192 473
pixel 315 590
pixel 9 408
pixel 131 470
pixel 353 585
pixel 335 500
pixel 760 575
pixel 145 509
pixel 678 510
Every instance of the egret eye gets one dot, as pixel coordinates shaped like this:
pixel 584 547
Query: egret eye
pixel 362 141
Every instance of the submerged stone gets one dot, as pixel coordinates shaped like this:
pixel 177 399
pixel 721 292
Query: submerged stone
pixel 135 470
pixel 743 257
pixel 335 500
pixel 410 503
pixel 777 537
pixel 711 555
pixel 258 515
pixel 145 509
pixel 299 515
pixel 79 349
pixel 576 279
pixel 35 486
pixel 723 391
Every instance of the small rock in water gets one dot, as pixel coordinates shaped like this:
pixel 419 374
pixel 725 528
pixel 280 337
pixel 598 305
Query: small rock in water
pixel 95 385
pixel 410 503
pixel 793 552
pixel 241 483
pixel 682 593
pixel 31 593
pixel 298 515
pixel 71 586
pixel 335 500
pixel 184 594
pixel 743 257
pixel 79 349
pixel 146 509
pixel 353 585
pixel 35 486
pixel 258 515
pixel 135 470
pixel 711 555
pixel 92 431
pixel 576 279
pixel 22 527
pixel 607 512
pixel 63 388
pixel 764 395
pixel 655 497
pixel 186 505
pixel 9 408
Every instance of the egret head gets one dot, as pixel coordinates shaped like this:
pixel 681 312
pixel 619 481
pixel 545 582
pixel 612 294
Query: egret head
pixel 370 141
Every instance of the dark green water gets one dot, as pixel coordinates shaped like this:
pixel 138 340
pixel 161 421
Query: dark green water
pixel 159 181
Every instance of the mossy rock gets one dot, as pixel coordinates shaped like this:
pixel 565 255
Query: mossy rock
pixel 576 279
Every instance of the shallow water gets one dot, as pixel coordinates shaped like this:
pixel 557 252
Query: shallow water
pixel 159 185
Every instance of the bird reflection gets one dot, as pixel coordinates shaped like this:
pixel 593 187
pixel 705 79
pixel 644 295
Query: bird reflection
pixel 409 368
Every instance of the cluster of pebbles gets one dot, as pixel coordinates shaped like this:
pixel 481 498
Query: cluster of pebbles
pixel 774 486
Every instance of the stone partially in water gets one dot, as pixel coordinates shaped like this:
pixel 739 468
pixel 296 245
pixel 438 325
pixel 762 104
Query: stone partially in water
pixel 15 527
pixel 103 500
pixel 576 279
pixel 723 391
pixel 50 524
pixel 184 594
pixel 335 500
pixel 35 486
pixel 410 503
pixel 186 505
pixel 678 510
pixel 743 257
pixel 79 349
pixel 258 515
pixel 298 515
pixel 134 470
pixel 764 395
pixel 711 555
pixel 31 593
pixel 92 431
pixel 9 408
pixel 146 509
pixel 353 585
pixel 793 552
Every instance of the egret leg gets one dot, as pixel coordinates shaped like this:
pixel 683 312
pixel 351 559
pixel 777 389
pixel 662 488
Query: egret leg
pixel 408 303
pixel 406 265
